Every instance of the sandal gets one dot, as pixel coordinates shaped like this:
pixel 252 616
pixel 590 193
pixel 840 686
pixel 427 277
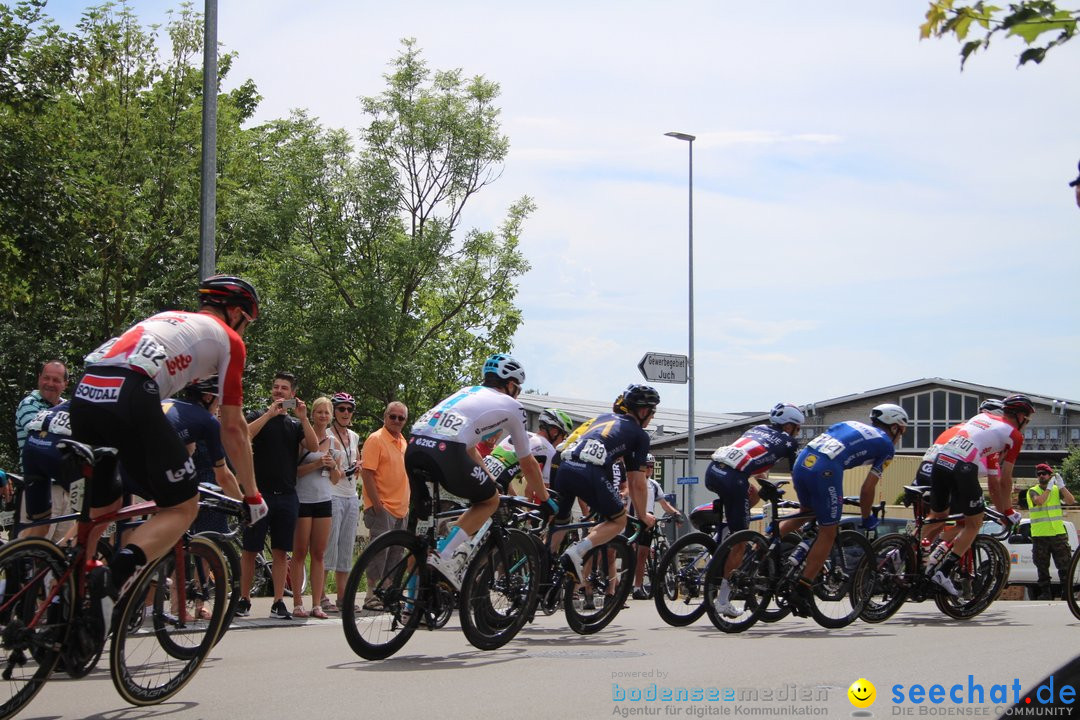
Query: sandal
pixel 329 606
pixel 298 611
pixel 317 612
pixel 374 605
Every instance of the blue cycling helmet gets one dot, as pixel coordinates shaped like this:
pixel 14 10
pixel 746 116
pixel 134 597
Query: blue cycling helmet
pixel 504 367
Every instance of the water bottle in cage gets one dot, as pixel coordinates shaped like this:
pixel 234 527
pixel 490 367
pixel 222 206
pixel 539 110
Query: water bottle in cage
pixel 891 561
pixel 799 553
pixel 937 555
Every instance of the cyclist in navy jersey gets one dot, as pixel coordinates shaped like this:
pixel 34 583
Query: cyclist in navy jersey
pixel 47 477
pixel 728 475
pixel 587 466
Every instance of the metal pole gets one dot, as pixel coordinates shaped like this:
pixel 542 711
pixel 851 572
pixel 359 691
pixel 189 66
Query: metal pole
pixel 208 192
pixel 691 449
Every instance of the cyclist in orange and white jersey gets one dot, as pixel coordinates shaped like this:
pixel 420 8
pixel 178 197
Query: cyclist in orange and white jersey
pixel 963 459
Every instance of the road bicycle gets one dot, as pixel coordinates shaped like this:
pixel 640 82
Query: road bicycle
pixel 496 590
pixel 902 572
pixel 760 569
pixel 653 579
pixel 158 639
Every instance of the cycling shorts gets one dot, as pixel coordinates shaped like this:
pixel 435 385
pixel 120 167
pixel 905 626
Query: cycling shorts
pixel 733 489
pixel 592 484
pixel 954 486
pixel 121 408
pixel 449 465
pixel 819 483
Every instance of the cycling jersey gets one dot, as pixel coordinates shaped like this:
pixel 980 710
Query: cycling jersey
pixel 42 462
pixel 993 461
pixel 728 475
pixel 194 424
pixel 818 473
pixel 174 349
pixel 473 414
pixel 979 440
pixel 504 465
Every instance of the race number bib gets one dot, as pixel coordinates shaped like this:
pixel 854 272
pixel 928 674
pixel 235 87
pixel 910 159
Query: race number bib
pixel 147 355
pixel 826 445
pixel 593 452
pixel 959 446
pixel 448 423
pixel 730 455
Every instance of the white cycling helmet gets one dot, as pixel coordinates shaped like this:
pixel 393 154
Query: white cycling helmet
pixel 504 367
pixel 991 405
pixel 889 414
pixel 786 413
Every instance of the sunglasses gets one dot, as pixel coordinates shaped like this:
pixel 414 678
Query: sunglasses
pixel 343 408
pixel 514 389
pixel 396 418
pixel 1041 474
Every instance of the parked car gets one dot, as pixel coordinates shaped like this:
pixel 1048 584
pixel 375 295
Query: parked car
pixel 1019 545
pixel 887 526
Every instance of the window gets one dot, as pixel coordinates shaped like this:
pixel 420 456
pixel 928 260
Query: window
pixel 932 412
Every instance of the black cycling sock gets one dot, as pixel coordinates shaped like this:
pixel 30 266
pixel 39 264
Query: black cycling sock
pixel 125 563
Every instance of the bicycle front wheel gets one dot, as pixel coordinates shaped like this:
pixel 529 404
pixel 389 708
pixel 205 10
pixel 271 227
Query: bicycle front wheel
pixel 678 597
pixel 390 580
pixel 499 587
pixel 1072 585
pixel 979 577
pixel 844 584
pixel 35 618
pixel 168 621
pixel 232 559
pixel 739 581
pixel 609 576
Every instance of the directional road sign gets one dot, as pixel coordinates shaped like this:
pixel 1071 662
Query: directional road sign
pixel 663 367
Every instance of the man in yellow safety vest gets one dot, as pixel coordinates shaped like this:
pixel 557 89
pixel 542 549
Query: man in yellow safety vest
pixel 1048 535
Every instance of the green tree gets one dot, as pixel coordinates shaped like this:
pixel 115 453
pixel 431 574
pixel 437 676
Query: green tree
pixel 1070 470
pixel 1030 20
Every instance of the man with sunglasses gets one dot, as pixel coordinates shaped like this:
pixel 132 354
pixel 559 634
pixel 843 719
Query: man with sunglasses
pixel 117 403
pixel 1048 535
pixel 386 485
pixel 442 449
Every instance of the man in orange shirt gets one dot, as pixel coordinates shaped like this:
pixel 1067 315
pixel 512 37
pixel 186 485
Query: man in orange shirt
pixel 386 485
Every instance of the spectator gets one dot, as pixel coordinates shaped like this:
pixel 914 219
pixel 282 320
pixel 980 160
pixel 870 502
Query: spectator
pixel 386 485
pixel 1076 184
pixel 51 383
pixel 655 494
pixel 276 440
pixel 1048 535
pixel 344 500
pixel 317 471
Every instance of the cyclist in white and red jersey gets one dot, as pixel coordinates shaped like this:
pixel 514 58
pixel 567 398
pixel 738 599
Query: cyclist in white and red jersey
pixel 442 449
pixel 117 403
pixel 962 460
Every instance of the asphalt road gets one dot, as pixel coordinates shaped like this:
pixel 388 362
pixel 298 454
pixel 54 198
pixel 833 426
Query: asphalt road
pixel 304 669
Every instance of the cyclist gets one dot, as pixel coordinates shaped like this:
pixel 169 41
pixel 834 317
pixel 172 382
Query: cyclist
pixel 587 467
pixel 118 403
pixel 503 464
pixel 654 494
pixel 47 477
pixel 192 416
pixel 818 476
pixel 442 449
pixel 728 475
pixel 954 476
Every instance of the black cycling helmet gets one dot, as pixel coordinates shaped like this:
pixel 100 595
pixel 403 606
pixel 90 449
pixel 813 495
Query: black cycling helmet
pixel 1018 404
pixel 637 396
pixel 205 386
pixel 226 290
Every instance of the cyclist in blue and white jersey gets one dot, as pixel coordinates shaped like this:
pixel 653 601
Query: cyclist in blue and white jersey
pixel 587 466
pixel 503 463
pixel 442 449
pixel 728 475
pixel 818 476
pixel 47 476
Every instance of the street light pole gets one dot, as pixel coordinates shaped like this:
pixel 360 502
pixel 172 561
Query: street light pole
pixel 690 440
pixel 208 189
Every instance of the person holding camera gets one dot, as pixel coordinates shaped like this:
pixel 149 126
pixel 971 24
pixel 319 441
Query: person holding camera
pixel 1048 535
pixel 276 441
pixel 345 503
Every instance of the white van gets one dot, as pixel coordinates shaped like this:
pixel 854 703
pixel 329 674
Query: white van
pixel 1019 545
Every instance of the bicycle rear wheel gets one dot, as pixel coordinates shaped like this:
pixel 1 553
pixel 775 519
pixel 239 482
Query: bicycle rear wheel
pixel 679 598
pixel 609 577
pixel 1072 585
pixel 748 583
pixel 499 587
pixel 980 577
pixel 29 637
pixel 396 596
pixel 897 562
pixel 778 609
pixel 232 559
pixel 159 637
pixel 843 586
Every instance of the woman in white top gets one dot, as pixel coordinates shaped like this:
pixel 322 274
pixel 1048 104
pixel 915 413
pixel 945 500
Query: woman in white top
pixel 315 476
pixel 343 495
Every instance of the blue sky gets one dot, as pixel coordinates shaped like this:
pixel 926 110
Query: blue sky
pixel 865 213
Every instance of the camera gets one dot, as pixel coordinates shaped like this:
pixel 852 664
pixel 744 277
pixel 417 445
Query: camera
pixel 289 404
pixel 350 472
